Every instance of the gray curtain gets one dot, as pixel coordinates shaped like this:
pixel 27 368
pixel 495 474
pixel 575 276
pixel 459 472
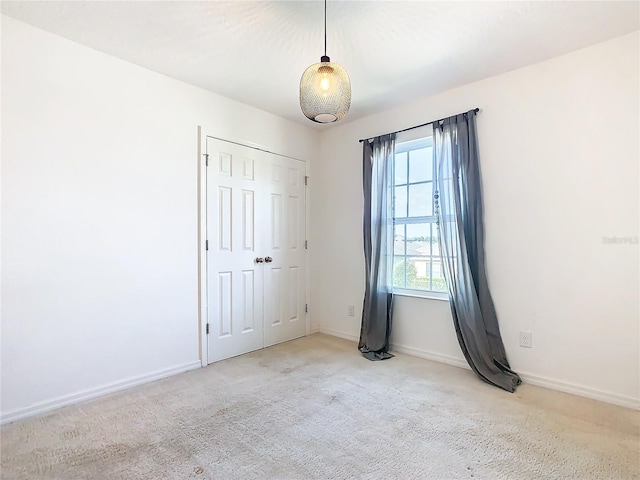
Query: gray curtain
pixel 377 309
pixel 461 234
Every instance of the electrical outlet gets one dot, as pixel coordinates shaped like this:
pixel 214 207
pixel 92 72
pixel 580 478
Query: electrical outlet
pixel 350 310
pixel 526 339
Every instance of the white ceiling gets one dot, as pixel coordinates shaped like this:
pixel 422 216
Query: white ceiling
pixel 255 52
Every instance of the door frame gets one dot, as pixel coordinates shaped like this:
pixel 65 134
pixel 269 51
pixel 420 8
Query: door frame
pixel 203 307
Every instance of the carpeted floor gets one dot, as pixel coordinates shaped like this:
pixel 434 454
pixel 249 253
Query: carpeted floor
pixel 314 408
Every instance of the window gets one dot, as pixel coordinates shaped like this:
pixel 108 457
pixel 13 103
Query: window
pixel 417 268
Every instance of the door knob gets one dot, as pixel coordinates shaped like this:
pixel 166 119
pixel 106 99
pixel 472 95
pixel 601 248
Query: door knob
pixel 268 259
pixel 259 260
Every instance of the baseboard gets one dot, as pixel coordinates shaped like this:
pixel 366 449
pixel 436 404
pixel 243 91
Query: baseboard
pixel 394 347
pixel 531 379
pixel 436 357
pixel 580 390
pixel 338 333
pixel 65 400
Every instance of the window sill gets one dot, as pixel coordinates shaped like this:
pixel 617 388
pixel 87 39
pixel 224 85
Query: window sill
pixel 443 297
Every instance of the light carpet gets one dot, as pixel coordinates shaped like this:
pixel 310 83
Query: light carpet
pixel 314 408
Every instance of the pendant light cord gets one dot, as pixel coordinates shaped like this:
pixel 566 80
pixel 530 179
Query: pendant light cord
pixel 325 28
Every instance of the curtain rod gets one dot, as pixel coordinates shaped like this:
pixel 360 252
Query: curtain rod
pixel 411 128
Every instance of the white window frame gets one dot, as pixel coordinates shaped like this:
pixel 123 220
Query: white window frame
pixel 402 147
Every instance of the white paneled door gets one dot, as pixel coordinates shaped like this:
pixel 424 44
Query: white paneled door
pixel 256 251
pixel 283 243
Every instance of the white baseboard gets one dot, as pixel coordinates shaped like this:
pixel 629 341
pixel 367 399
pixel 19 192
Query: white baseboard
pixel 338 333
pixel 436 357
pixel 531 379
pixel 580 390
pixel 62 401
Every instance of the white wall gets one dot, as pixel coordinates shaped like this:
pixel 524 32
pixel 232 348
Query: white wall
pixel 559 147
pixel 99 219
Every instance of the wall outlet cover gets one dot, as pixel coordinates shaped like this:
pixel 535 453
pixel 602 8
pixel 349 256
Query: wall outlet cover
pixel 526 339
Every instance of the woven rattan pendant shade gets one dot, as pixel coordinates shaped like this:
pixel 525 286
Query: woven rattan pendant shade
pixel 325 88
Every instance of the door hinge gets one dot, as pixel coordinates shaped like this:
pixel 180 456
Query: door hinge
pixel 206 159
pixel 306 308
pixel 306 245
pixel 306 180
pixel 206 244
pixel 207 329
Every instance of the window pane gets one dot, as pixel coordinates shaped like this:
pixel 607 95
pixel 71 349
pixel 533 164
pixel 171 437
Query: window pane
pixel 420 200
pixel 430 162
pixel 417 273
pixel 417 239
pixel 398 272
pixel 398 240
pixel 400 206
pixel 401 168
pixel 435 243
pixel 438 282
pixel 420 165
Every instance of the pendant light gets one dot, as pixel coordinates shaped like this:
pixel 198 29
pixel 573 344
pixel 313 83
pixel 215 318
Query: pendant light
pixel 325 88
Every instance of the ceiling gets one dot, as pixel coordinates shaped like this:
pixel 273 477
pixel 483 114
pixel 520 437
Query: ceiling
pixel 394 51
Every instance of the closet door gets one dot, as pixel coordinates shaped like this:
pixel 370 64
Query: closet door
pixel 256 256
pixel 284 281
pixel 234 278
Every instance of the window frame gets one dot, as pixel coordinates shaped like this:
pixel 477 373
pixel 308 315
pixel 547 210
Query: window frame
pixel 406 147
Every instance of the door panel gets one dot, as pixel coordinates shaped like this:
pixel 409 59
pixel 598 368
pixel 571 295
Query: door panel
pixel 248 296
pixel 224 304
pixel 276 221
pixel 248 220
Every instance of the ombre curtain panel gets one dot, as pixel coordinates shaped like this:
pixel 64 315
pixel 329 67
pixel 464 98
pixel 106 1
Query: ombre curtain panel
pixel 377 308
pixel 460 214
